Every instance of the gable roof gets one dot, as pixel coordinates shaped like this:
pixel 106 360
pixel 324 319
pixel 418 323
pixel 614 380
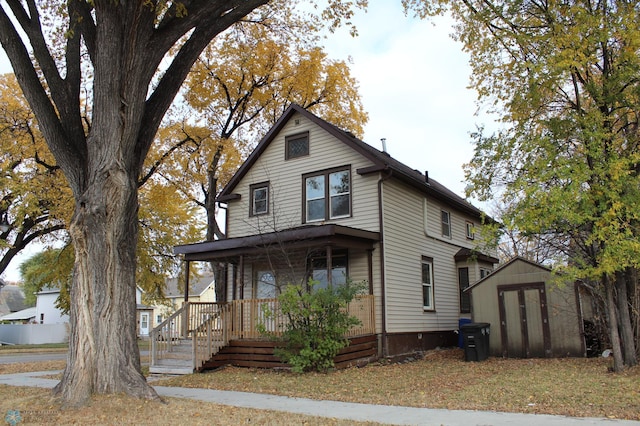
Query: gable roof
pixel 382 162
pixel 23 315
pixel 197 286
pixel 504 266
pixel 11 299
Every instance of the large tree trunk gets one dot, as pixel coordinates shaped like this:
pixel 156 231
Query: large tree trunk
pixel 612 316
pixel 103 352
pixel 624 319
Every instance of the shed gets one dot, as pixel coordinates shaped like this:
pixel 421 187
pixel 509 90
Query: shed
pixel 530 315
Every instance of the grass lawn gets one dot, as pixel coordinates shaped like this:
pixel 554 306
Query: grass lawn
pixel 440 379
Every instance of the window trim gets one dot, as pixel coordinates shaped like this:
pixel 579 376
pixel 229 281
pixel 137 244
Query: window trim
pixel 335 255
pixel 292 138
pixel 447 224
pixel 252 201
pixel 327 194
pixel 428 261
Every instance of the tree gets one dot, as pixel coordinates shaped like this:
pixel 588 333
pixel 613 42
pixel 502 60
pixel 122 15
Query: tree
pixel 564 76
pixel 134 56
pixel 239 88
pixel 34 197
pixel 50 268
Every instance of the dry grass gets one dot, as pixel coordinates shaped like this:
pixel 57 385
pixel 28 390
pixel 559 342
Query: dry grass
pixel 574 387
pixel 571 386
pixel 36 406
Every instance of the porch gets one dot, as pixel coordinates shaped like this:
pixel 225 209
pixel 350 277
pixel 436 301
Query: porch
pixel 203 335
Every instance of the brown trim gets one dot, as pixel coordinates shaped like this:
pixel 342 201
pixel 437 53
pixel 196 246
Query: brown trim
pixel 304 236
pixel 327 193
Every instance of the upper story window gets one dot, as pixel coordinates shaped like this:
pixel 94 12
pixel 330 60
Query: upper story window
pixel 327 195
pixel 471 231
pixel 296 146
pixel 427 283
pixel 484 272
pixel 446 223
pixel 259 199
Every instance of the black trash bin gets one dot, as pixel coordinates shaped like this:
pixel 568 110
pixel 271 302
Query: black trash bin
pixel 475 337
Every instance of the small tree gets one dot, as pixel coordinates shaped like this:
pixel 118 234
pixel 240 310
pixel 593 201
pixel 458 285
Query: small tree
pixel 317 324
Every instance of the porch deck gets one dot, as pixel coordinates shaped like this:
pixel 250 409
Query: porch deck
pixel 204 335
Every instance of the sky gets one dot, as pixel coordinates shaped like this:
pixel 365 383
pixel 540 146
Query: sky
pixel 413 82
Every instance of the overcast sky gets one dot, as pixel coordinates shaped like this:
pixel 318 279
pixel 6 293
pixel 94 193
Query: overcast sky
pixel 413 81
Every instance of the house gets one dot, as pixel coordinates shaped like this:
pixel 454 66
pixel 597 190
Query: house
pixel 201 289
pixel 313 201
pixel 47 311
pixel 530 315
pixel 24 316
pixel 11 298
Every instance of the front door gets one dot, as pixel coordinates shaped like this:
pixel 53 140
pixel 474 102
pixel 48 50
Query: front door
pixel 524 321
pixel 144 323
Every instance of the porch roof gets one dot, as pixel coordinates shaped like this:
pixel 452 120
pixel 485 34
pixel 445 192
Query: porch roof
pixel 304 236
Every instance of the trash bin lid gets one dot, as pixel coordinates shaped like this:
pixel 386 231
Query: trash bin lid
pixel 474 326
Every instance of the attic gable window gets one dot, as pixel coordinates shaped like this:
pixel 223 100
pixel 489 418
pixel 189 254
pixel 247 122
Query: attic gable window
pixel 296 146
pixel 327 195
pixel 259 199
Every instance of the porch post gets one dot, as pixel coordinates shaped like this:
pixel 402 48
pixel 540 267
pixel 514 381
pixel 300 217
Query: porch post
pixel 185 319
pixel 370 266
pixel 186 284
pixel 241 276
pixel 329 266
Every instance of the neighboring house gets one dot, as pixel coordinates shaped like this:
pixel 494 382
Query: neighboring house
pixel 529 315
pixel 24 316
pixel 144 315
pixel 201 289
pixel 11 298
pixel 313 201
pixel 46 310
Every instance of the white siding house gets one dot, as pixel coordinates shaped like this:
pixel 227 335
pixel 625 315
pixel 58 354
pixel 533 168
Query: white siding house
pixel 46 310
pixel 314 201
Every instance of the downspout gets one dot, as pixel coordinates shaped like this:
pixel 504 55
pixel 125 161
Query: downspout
pixel 383 299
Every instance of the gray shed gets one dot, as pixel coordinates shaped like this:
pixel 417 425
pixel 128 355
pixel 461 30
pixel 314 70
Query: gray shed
pixel 530 316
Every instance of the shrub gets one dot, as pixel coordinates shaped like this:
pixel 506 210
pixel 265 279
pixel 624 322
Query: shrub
pixel 317 324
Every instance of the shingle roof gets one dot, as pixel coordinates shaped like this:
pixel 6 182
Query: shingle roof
pixel 197 286
pixel 382 161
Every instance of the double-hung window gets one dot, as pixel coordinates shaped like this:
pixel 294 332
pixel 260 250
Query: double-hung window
pixel 427 283
pixel 446 223
pixel 327 195
pixel 259 199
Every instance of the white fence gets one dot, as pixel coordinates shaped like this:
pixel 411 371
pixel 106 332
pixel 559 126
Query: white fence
pixel 33 334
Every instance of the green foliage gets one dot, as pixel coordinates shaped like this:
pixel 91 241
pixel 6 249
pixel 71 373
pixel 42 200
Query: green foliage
pixel 48 269
pixel 317 324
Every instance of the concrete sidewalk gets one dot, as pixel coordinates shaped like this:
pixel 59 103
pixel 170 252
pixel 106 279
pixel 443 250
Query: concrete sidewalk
pixel 392 415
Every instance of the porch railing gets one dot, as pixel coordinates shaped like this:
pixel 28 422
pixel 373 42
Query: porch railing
pixel 210 326
pixel 248 314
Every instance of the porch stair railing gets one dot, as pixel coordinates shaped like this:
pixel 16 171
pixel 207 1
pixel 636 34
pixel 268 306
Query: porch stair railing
pixel 197 331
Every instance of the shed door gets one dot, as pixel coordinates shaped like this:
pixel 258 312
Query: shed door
pixel 524 323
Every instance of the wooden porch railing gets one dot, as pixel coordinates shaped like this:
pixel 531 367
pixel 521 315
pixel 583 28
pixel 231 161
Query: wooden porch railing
pixel 248 314
pixel 211 326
